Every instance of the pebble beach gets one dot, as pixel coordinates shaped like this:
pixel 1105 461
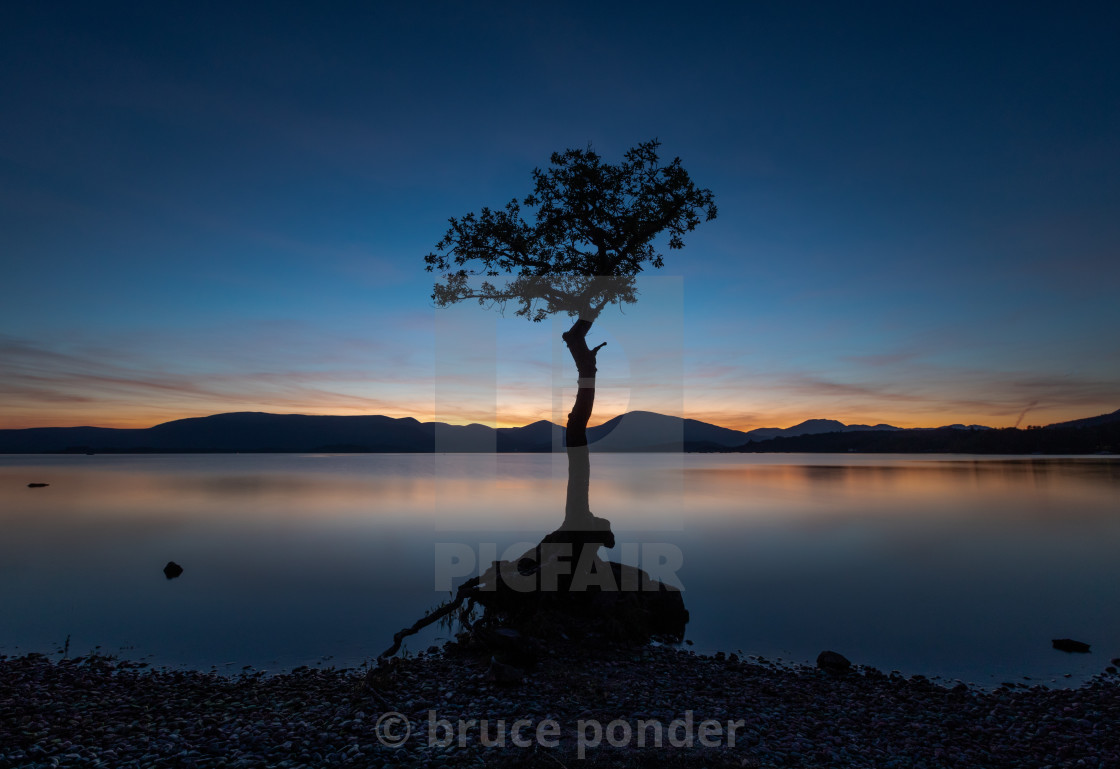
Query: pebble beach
pixel 444 709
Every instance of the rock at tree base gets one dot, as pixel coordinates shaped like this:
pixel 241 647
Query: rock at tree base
pixel 562 588
pixel 558 593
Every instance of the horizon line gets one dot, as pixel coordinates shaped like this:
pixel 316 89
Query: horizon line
pixel 492 426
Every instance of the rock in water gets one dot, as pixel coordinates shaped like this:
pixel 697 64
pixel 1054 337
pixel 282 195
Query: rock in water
pixel 833 662
pixel 37 485
pixel 550 586
pixel 172 570
pixel 1069 645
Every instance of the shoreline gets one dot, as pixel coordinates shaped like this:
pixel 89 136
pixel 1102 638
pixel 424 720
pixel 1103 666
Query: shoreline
pixel 98 709
pixel 994 455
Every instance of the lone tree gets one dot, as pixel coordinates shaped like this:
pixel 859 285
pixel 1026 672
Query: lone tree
pixel 594 229
pixel 573 245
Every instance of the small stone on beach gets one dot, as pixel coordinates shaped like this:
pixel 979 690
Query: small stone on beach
pixel 833 662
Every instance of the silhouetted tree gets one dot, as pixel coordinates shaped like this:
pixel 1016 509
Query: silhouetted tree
pixel 573 245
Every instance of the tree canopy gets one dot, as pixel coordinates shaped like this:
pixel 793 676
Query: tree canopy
pixel 577 241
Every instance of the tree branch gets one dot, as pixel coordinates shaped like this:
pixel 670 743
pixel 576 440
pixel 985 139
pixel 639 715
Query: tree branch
pixel 591 219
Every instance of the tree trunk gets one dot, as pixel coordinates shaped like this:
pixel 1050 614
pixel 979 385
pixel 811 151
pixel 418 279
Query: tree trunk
pixel 627 605
pixel 577 510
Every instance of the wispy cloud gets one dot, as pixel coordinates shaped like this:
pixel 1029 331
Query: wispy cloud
pixel 41 385
pixel 883 359
pixel 509 377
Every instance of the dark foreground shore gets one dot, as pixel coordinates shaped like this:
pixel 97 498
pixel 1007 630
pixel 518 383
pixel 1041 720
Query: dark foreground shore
pixel 95 711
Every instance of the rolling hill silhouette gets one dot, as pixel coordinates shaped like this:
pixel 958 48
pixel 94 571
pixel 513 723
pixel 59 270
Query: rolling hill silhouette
pixel 634 431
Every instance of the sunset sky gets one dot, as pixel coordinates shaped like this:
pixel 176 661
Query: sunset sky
pixel 211 207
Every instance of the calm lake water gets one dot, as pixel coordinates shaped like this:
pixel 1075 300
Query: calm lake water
pixel 950 566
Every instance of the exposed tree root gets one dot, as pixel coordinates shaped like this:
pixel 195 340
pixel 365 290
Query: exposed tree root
pixel 465 590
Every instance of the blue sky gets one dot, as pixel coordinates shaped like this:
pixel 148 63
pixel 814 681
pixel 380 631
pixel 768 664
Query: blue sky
pixel 215 207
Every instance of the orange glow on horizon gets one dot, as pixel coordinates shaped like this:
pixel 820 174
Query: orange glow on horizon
pixel 521 415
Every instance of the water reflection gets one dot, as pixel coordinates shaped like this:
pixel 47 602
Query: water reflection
pixel 964 567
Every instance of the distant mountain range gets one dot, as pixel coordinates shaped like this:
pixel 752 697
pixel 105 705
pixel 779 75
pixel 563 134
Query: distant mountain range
pixel 632 432
pixel 1094 435
pixel 259 432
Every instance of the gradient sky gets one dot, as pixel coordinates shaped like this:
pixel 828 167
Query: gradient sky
pixel 211 207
